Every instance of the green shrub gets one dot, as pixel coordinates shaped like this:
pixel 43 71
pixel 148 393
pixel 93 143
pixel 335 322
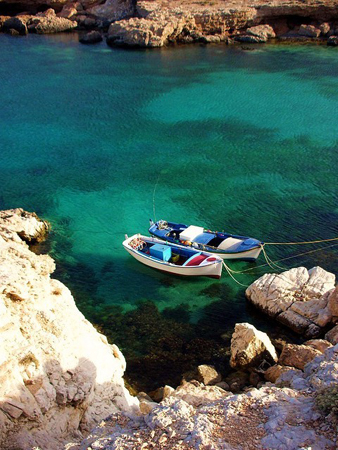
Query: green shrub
pixel 327 399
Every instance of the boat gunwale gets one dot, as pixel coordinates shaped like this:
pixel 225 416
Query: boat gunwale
pixel 209 249
pixel 167 263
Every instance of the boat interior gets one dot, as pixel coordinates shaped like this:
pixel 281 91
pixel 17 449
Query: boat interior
pixel 178 256
pixel 221 241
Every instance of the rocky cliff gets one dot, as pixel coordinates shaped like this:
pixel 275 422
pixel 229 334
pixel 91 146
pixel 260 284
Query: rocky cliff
pixel 58 376
pixel 158 23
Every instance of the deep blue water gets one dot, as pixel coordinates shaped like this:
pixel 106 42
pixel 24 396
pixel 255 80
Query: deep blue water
pixel 97 141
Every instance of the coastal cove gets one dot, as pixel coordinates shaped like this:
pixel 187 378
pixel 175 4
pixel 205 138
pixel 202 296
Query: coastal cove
pixel 97 141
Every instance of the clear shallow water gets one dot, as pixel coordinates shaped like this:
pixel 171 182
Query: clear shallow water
pixel 97 141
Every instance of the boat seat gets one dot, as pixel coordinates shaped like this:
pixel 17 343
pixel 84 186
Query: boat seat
pixel 230 244
pixel 195 260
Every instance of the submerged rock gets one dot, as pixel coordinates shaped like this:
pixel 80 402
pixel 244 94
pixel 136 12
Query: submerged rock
pixel 59 376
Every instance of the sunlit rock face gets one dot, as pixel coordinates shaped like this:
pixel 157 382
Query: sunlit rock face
pixel 206 417
pixel 304 300
pixel 59 377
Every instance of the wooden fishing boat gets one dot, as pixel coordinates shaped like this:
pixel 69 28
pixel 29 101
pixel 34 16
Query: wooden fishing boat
pixel 224 245
pixel 173 258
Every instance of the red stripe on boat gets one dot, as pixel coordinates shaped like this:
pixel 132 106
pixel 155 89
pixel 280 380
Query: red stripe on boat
pixel 196 261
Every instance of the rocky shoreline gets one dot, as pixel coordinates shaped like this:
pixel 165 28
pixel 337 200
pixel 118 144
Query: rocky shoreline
pixel 149 24
pixel 62 382
pixel 59 376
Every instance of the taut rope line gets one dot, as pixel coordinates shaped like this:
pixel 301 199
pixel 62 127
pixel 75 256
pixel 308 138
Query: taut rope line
pixel 272 264
pixel 231 271
pixel 227 268
pixel 301 243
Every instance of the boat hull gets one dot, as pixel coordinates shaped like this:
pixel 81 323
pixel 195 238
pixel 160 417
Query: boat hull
pixel 248 252
pixel 212 269
pixel 249 255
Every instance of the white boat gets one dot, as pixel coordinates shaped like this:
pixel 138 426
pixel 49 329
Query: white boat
pixel 224 245
pixel 173 258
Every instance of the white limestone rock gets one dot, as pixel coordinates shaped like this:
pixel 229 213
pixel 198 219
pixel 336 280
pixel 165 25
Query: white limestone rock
pixel 298 298
pixel 27 225
pixel 58 375
pixel 322 372
pixel 197 394
pixel 249 347
pixel 262 31
pixel 276 417
pixel 157 26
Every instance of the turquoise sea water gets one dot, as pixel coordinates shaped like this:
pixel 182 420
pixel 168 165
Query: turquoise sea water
pixel 97 141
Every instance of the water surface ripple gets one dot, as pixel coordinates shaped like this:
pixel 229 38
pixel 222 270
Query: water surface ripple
pixel 243 141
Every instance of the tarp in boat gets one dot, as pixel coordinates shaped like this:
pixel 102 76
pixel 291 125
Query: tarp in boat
pixel 190 233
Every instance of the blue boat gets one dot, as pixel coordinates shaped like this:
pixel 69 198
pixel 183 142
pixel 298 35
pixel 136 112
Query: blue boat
pixel 225 245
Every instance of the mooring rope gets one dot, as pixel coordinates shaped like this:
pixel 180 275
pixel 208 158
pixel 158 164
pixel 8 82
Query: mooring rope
pixel 272 264
pixel 231 271
pixel 227 268
pixel 302 243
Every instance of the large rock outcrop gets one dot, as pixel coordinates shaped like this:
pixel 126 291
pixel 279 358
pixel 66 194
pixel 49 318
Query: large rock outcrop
pixel 270 417
pixel 43 23
pixel 160 23
pixel 47 23
pixel 59 376
pixel 304 300
pixel 157 26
